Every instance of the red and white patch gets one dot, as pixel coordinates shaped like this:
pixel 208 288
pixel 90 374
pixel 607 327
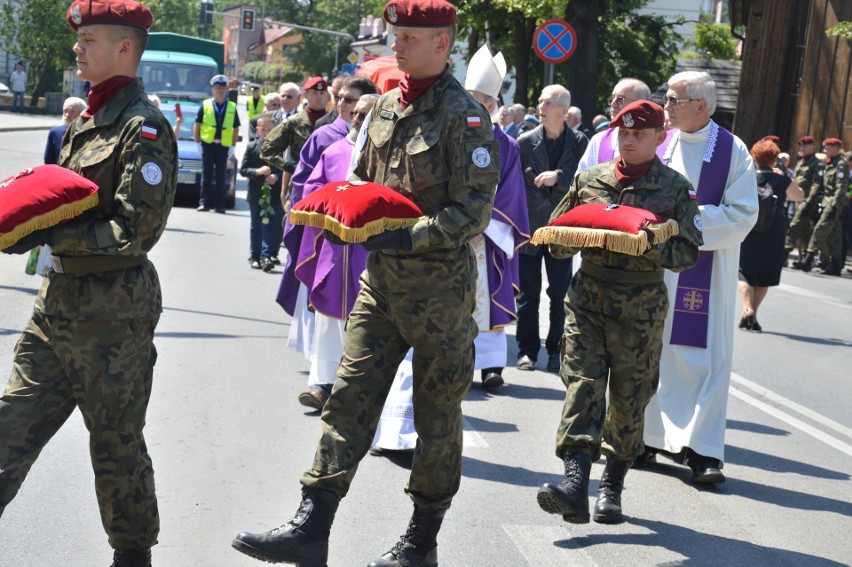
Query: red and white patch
pixel 474 121
pixel 692 194
pixel 149 132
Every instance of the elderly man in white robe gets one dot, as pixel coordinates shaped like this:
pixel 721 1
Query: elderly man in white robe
pixel 685 421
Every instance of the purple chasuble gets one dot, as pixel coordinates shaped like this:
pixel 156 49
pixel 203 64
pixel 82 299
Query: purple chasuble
pixel 330 272
pixel 319 140
pixel 510 207
pixel 692 299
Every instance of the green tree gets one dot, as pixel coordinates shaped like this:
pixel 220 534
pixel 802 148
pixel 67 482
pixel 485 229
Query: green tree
pixel 37 30
pixel 176 16
pixel 715 40
pixel 842 29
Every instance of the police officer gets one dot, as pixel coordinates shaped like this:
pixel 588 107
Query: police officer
pixel 432 142
pixel 809 176
pixel 615 310
pixel 284 144
pixel 827 231
pixel 215 131
pixel 255 106
pixel 89 343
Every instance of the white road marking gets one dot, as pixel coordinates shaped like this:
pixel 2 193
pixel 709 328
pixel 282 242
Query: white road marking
pixel 535 544
pixel 812 294
pixel 471 437
pixel 802 410
pixel 832 442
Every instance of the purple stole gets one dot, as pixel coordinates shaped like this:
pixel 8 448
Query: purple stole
pixel 692 299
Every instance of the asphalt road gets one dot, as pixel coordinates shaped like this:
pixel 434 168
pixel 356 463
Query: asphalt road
pixel 229 439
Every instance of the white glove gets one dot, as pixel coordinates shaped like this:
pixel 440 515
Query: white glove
pixel 199 148
pixel 230 152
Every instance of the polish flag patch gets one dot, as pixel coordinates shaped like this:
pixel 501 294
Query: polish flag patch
pixel 692 194
pixel 474 121
pixel 149 132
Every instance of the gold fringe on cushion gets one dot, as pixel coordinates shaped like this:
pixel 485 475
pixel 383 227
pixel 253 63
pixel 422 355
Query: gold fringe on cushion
pixel 355 235
pixel 614 240
pixel 49 219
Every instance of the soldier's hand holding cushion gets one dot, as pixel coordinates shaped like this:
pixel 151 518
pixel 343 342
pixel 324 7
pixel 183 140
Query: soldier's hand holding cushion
pixel 399 239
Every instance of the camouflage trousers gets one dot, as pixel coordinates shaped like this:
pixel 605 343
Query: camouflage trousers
pixel 104 368
pixel 827 232
pixel 799 232
pixel 600 350
pixel 436 321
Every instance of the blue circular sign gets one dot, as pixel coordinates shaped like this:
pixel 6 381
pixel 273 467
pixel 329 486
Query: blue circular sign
pixel 554 41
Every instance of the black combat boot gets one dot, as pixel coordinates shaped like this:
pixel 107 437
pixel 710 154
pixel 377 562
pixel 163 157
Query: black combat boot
pixel 835 267
pixel 806 264
pixel 608 506
pixel 419 546
pixel 571 496
pixel 131 558
pixel 303 540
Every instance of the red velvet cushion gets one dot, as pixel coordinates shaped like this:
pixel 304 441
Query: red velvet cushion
pixel 355 210
pixel 42 197
pixel 602 225
pixel 609 217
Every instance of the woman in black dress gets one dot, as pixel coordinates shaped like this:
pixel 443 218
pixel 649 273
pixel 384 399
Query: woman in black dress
pixel 762 251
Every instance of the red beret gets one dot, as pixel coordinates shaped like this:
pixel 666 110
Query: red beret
pixel 114 12
pixel 832 142
pixel 638 115
pixel 773 138
pixel 806 140
pixel 316 83
pixel 420 13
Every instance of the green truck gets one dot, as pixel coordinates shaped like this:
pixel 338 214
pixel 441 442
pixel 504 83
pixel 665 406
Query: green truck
pixel 179 67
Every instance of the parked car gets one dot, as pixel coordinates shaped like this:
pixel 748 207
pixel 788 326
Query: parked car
pixel 4 89
pixel 189 160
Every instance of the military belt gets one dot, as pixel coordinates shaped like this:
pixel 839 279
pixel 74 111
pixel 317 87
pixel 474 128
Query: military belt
pixel 620 276
pixel 94 264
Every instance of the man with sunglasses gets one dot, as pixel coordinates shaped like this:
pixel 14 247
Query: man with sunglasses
pixel 686 419
pixel 289 296
pixel 809 175
pixel 603 146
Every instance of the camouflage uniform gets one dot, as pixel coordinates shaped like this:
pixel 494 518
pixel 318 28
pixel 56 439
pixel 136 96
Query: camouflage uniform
pixel 614 328
pixel 423 298
pixel 89 343
pixel 835 186
pixel 290 134
pixel 809 176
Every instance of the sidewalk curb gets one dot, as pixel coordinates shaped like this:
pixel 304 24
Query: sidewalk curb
pixel 26 128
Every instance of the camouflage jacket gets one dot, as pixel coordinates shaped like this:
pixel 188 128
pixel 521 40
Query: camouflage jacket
pixel 663 191
pixel 809 176
pixel 290 134
pixel 835 183
pixel 440 153
pixel 136 174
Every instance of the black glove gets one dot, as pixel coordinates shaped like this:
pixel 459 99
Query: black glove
pixel 650 234
pixel 333 238
pixel 399 239
pixel 29 242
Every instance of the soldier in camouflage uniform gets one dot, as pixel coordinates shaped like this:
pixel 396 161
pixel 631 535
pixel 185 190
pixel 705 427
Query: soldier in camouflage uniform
pixel 827 232
pixel 615 310
pixel 284 144
pixel 431 141
pixel 89 343
pixel 809 176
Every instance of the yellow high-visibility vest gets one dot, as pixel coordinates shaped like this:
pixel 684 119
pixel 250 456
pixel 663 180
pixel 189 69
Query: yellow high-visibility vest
pixel 208 123
pixel 254 108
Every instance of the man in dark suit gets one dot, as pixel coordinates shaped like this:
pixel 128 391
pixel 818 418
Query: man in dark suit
pixel 549 157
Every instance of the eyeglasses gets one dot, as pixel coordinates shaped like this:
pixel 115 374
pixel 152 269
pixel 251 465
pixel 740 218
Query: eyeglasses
pixel 361 115
pixel 615 99
pixel 348 100
pixel 675 102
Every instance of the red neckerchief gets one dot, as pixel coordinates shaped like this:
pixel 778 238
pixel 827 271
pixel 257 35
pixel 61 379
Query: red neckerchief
pixel 314 115
pixel 803 159
pixel 412 89
pixel 627 174
pixel 828 160
pixel 104 92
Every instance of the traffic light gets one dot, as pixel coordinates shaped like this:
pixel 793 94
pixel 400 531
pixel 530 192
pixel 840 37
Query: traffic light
pixel 207 9
pixel 248 20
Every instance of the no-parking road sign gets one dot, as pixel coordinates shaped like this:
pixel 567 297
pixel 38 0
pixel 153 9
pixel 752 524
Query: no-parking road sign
pixel 554 41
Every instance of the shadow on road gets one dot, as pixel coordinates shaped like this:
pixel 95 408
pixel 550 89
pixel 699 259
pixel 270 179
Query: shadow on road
pixel 196 312
pixel 29 290
pixel 698 548
pixel 756 428
pixel 763 461
pixel 811 340
pixel 518 476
